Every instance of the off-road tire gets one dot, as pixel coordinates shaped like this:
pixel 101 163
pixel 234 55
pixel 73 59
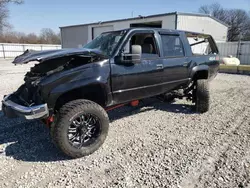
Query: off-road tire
pixel 65 117
pixel 202 97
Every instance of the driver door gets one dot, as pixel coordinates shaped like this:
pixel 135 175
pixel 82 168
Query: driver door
pixel 137 80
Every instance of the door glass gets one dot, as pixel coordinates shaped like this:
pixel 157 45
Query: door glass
pixel 147 43
pixel 172 46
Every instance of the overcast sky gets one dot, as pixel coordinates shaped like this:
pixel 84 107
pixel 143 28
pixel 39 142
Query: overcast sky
pixel 36 14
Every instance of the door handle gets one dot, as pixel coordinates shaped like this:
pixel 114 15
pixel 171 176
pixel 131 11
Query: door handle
pixel 185 64
pixel 159 66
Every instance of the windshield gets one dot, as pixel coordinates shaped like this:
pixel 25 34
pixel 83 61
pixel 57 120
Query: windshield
pixel 105 42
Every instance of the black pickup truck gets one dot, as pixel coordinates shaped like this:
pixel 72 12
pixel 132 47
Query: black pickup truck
pixel 71 90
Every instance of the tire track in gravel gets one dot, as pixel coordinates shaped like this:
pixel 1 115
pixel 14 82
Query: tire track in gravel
pixel 219 163
pixel 208 166
pixel 231 165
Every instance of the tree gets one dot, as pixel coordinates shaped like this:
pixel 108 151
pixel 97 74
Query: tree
pixel 215 10
pixel 48 36
pixel 32 38
pixel 237 19
pixel 4 13
pixel 239 22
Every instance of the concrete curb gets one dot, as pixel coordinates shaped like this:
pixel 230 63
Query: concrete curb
pixel 241 69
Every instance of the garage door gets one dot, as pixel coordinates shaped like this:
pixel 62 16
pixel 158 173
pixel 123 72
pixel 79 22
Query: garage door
pixel 98 30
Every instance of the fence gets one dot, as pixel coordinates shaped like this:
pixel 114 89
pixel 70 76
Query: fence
pixel 11 50
pixel 241 50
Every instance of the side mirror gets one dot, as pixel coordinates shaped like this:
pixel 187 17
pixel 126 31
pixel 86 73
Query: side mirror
pixel 130 58
pixel 136 52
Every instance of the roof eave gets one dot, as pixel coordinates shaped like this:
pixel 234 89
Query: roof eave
pixel 150 16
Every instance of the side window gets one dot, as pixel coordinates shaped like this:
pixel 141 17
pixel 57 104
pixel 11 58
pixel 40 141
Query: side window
pixel 201 44
pixel 146 41
pixel 172 46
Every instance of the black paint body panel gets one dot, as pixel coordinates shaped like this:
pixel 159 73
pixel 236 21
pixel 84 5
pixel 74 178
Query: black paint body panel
pixel 122 83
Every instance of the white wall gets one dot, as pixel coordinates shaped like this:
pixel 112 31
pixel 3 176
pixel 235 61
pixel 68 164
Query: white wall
pixel 168 22
pixel 73 37
pixel 202 24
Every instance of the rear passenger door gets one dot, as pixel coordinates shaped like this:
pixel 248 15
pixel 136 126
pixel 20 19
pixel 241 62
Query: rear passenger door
pixel 175 63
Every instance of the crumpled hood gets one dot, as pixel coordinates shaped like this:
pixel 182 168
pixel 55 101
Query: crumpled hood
pixel 41 56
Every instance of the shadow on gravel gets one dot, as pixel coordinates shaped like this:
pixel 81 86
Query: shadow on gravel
pixel 27 141
pixel 149 105
pixel 30 140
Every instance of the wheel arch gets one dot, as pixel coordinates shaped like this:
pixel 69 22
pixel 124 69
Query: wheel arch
pixel 95 92
pixel 200 72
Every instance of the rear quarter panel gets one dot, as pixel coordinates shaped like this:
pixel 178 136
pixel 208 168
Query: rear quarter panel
pixel 209 62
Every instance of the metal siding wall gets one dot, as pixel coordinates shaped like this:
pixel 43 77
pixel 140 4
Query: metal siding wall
pixel 74 37
pixel 168 22
pixel 10 50
pixel 98 30
pixel 231 48
pixel 202 25
pixel 228 48
pixel 245 53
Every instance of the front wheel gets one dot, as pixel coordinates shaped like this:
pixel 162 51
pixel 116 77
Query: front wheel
pixel 81 128
pixel 202 97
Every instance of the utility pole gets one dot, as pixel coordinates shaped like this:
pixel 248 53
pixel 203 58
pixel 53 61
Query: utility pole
pixel 239 46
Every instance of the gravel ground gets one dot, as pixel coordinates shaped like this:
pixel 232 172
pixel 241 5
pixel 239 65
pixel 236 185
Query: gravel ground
pixel 154 145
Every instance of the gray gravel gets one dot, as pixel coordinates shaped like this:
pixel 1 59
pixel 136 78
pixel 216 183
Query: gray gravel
pixel 156 144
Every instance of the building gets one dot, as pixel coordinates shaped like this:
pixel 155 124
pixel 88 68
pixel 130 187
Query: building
pixel 76 35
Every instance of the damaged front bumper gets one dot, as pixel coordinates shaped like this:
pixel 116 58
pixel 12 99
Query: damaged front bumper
pixel 12 110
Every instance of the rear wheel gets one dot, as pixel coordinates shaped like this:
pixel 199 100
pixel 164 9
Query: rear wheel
pixel 81 128
pixel 201 96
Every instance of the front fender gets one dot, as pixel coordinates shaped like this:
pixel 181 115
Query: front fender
pixel 55 85
pixel 70 86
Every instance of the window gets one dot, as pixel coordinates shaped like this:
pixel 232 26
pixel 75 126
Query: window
pixel 147 43
pixel 172 46
pixel 201 44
